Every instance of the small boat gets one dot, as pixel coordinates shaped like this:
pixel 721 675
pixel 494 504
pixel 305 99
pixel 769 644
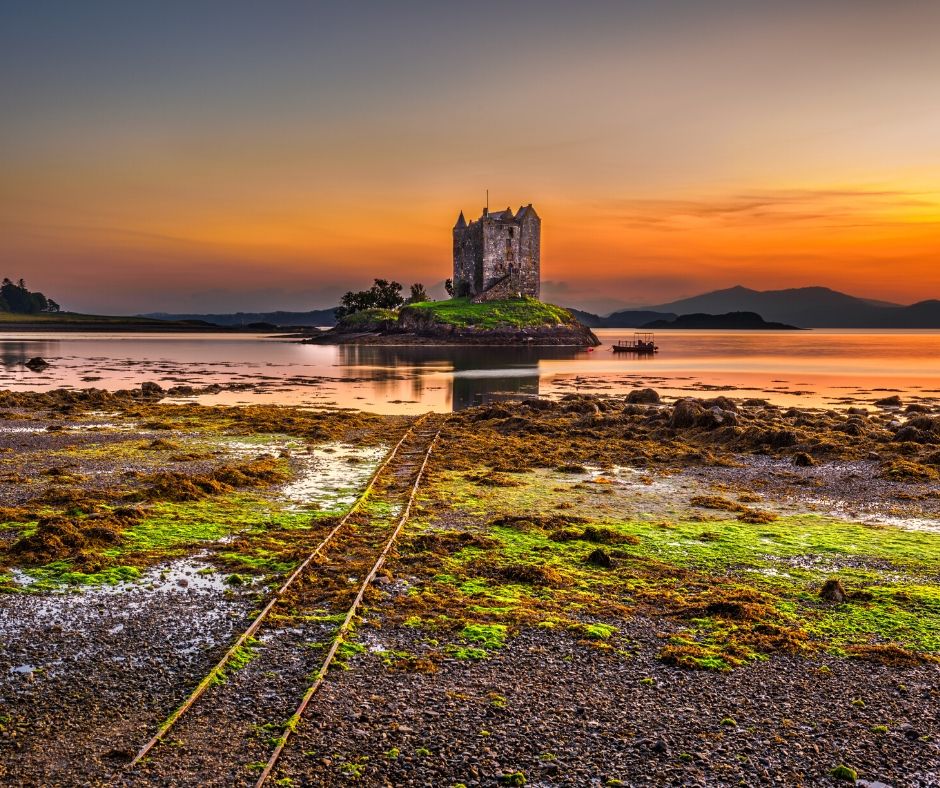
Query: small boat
pixel 643 344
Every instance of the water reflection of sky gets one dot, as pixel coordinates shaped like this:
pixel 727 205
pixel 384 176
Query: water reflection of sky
pixel 817 368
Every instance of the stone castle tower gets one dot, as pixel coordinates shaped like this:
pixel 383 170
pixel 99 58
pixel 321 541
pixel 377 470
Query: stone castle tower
pixel 498 255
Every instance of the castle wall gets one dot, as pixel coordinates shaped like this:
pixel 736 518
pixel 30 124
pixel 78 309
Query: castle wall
pixel 530 255
pixel 505 289
pixel 461 255
pixel 500 250
pixel 468 255
pixel 476 245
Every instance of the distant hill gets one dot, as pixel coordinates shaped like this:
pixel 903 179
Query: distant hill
pixel 316 317
pixel 628 318
pixel 75 321
pixel 588 319
pixel 634 318
pixel 743 321
pixel 810 307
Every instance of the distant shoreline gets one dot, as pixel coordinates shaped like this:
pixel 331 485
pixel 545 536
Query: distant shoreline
pixel 127 328
pixel 67 321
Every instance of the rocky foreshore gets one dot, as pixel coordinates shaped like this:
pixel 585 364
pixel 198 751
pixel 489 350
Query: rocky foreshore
pixel 599 590
pixel 561 336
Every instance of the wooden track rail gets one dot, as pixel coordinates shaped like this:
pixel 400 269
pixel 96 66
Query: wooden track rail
pixel 340 637
pixel 212 676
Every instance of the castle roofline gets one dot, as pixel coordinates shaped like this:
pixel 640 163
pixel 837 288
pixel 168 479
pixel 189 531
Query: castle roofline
pixel 499 216
pixel 461 222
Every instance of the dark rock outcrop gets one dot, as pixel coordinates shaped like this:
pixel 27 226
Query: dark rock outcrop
pixel 643 397
pixel 413 328
pixel 150 389
pixel 686 413
pixel 832 591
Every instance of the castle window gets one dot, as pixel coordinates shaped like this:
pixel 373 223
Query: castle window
pixel 510 231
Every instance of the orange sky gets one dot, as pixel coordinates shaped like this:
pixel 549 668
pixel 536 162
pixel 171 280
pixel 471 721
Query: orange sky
pixel 247 160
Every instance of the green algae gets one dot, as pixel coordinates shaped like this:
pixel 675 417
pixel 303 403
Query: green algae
pixel 595 631
pixel 168 525
pixel 738 591
pixel 56 574
pixel 489 636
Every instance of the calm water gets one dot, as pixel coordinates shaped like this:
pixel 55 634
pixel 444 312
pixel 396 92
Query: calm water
pixel 807 367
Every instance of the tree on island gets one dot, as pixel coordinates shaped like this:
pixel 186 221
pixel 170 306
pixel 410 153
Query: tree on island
pixel 418 294
pixel 382 295
pixel 15 297
pixel 460 290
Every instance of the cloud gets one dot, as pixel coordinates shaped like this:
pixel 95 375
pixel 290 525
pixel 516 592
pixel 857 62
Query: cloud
pixel 842 207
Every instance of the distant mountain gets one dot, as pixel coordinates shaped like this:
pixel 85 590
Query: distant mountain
pixel 744 321
pixel 316 317
pixel 923 314
pixel 810 307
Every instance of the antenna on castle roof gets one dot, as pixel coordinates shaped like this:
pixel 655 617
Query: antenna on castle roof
pixel 487 200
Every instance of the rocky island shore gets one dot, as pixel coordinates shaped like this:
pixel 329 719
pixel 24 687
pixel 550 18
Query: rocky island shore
pixel 596 590
pixel 512 322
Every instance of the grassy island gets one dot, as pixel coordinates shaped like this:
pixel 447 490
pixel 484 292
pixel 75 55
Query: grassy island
pixel 515 312
pixel 461 321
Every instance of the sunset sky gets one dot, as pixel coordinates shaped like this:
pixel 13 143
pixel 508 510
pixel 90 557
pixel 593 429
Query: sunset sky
pixel 200 156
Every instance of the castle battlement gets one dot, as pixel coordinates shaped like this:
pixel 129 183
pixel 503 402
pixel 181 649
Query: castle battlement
pixel 498 255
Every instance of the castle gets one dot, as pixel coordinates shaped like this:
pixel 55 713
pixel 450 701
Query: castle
pixel 497 255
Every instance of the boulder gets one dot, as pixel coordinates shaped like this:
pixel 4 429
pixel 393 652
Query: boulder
pixel 685 413
pixel 724 403
pixel 910 433
pixel 780 439
pixel 150 389
pixel 925 423
pixel 851 428
pixel 832 591
pixel 37 364
pixel 717 417
pixel 643 397
pixel 889 402
pixel 600 558
pixel 803 460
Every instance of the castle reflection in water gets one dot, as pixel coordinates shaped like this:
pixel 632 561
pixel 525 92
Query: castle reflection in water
pixel 475 375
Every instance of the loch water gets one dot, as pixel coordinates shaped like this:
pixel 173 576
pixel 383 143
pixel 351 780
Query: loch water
pixel 820 368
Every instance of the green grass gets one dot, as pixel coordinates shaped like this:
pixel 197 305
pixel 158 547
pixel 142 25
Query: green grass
pixel 369 319
pixel 515 313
